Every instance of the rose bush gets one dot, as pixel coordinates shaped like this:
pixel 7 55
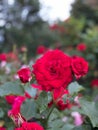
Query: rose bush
pixel 46 95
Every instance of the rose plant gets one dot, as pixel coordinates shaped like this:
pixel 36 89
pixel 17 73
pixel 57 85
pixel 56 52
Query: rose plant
pixel 47 96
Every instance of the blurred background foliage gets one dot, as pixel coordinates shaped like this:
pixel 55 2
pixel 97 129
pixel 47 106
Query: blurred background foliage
pixel 21 25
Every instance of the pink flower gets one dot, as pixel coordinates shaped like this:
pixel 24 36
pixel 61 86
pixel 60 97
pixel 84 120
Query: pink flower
pixel 3 64
pixel 78 120
pixel 79 66
pixel 23 49
pixel 81 47
pixel 24 74
pixel 30 126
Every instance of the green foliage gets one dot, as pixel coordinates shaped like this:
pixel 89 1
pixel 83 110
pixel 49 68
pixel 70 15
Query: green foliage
pixel 89 109
pixel 83 127
pixel 11 88
pixel 30 90
pixel 25 26
pixel 74 88
pixel 80 9
pixel 29 109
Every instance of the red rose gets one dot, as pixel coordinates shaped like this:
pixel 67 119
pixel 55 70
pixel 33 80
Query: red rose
pixel 2 128
pixel 41 49
pixel 81 47
pixel 27 95
pixel 58 99
pixel 10 99
pixel 3 57
pixel 63 105
pixel 79 66
pixel 24 75
pixel 16 106
pixel 59 93
pixel 53 70
pixel 94 83
pixel 12 56
pixel 15 113
pixel 30 126
pixel 54 27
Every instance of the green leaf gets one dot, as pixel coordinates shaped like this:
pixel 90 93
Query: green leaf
pixel 89 109
pixel 29 109
pixel 74 88
pixel 83 127
pixel 42 101
pixel 30 90
pixel 58 123
pixel 11 88
pixel 67 127
pixel 55 124
pixel 1 112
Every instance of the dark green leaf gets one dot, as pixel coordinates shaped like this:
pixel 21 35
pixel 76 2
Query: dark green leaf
pixel 29 109
pixel 11 88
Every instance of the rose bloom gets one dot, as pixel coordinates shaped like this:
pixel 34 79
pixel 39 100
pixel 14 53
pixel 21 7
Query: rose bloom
pixel 53 70
pixel 94 83
pixel 79 66
pixel 3 57
pixel 10 99
pixel 24 75
pixel 23 49
pixel 16 106
pixel 61 105
pixel 58 99
pixel 54 27
pixel 30 126
pixel 41 49
pixel 12 56
pixel 14 112
pixel 81 47
pixel 2 128
pixel 59 93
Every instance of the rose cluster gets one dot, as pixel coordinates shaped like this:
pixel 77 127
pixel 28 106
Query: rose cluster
pixel 53 72
pixel 56 69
